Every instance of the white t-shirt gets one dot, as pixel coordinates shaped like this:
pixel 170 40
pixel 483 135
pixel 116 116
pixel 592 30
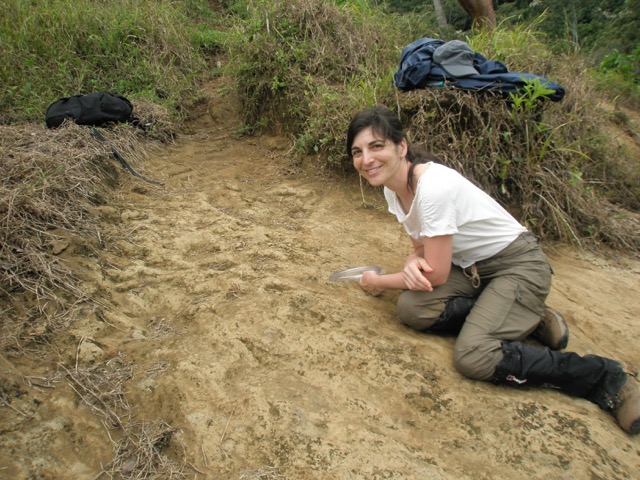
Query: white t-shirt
pixel 446 203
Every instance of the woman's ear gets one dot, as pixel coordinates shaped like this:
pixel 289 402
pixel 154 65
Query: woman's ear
pixel 404 147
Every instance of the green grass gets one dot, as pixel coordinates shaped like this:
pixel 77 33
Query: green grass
pixel 58 48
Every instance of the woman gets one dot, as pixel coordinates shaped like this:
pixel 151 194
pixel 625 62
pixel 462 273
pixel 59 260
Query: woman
pixel 475 269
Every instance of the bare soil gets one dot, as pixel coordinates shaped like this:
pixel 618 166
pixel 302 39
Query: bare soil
pixel 214 321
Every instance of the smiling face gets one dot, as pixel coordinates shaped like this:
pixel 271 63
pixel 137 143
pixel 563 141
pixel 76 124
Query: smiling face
pixel 379 160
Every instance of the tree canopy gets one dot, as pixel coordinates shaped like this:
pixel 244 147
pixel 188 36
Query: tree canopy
pixel 594 26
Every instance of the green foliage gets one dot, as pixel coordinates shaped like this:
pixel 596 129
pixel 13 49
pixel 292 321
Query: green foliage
pixel 361 4
pixel 526 107
pixel 624 66
pixel 618 75
pixel 59 48
pixel 456 17
pixel 589 25
pixel 208 40
pixel 530 98
pixel 522 47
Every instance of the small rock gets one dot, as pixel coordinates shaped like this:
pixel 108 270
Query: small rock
pixel 59 246
pixel 128 466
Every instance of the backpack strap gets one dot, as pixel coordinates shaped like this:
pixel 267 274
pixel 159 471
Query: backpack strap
pixel 98 136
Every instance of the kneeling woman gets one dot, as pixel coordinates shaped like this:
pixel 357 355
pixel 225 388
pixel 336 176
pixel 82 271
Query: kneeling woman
pixel 476 270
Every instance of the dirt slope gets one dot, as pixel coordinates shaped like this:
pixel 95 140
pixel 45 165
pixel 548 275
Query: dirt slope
pixel 213 299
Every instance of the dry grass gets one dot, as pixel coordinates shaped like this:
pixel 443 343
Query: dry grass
pixel 50 181
pixel 138 448
pixel 100 387
pixel 139 453
pixel 266 473
pixel 538 164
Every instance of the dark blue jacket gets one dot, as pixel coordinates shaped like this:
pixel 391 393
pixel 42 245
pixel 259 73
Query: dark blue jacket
pixel 418 70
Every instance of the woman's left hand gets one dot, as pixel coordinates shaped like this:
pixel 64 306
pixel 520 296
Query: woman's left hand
pixel 414 274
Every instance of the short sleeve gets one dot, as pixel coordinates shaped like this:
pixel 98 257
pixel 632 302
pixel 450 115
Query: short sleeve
pixel 438 213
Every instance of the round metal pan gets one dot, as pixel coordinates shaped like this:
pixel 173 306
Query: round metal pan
pixel 353 274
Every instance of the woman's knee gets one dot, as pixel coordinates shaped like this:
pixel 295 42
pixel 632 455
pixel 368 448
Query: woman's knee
pixel 477 363
pixel 417 313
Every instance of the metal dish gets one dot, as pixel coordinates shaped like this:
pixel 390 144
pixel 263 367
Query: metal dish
pixel 354 274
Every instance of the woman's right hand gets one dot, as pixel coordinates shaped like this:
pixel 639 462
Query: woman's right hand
pixel 414 273
pixel 369 283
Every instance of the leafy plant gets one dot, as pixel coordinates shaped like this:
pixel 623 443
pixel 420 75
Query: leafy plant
pixel 626 67
pixel 529 98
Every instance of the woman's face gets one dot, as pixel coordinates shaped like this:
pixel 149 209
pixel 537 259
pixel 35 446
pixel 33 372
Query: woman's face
pixel 376 159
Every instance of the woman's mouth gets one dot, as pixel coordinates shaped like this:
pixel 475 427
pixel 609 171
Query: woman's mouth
pixel 372 171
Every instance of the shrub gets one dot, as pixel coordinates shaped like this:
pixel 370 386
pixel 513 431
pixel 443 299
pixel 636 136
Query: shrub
pixel 290 55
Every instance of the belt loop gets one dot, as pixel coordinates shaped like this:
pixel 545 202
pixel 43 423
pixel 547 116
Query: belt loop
pixel 473 277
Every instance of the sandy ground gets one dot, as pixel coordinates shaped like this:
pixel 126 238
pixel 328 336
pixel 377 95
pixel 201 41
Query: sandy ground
pixel 214 291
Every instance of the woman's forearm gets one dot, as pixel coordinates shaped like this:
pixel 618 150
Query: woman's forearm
pixel 391 281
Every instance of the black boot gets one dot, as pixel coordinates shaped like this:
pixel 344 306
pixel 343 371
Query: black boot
pixel 453 317
pixel 597 379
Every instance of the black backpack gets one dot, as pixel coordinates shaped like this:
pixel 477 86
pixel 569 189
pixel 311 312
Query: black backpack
pixel 93 109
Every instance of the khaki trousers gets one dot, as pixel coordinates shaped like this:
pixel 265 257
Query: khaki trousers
pixel 510 298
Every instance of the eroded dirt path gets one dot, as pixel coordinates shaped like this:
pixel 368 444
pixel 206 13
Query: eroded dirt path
pixel 215 288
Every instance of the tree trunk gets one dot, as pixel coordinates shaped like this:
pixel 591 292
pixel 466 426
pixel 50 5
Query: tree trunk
pixel 442 18
pixel 482 13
